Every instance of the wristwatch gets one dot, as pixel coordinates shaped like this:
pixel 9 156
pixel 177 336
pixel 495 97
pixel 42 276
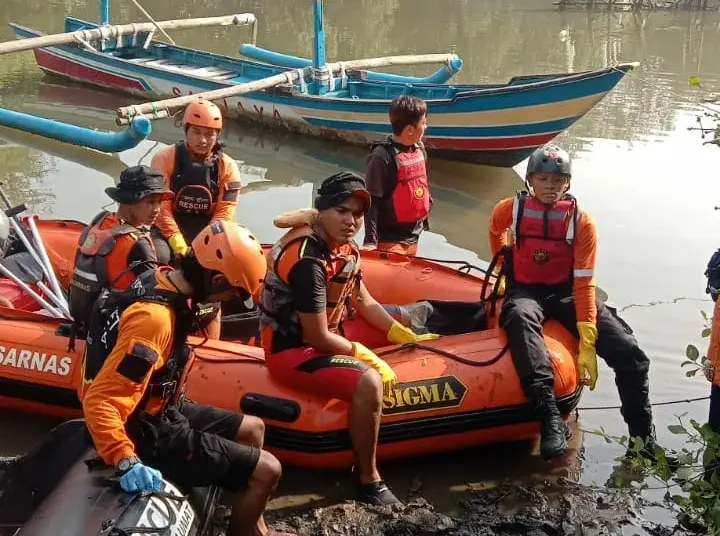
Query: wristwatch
pixel 126 463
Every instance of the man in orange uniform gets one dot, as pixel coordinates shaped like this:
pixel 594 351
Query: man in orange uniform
pixel 313 278
pixel 712 367
pixel 116 247
pixel 550 272
pixel 206 183
pixel 135 365
pixel 397 179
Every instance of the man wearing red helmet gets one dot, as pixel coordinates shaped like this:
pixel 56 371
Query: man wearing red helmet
pixel 549 265
pixel 206 183
pixel 135 366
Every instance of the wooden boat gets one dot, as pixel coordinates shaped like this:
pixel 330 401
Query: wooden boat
pixel 497 124
pixel 454 392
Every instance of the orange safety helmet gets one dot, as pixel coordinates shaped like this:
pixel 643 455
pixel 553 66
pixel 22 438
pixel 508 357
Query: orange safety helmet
pixel 203 113
pixel 232 250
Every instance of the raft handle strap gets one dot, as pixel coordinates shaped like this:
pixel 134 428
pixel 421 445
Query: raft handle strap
pixel 445 353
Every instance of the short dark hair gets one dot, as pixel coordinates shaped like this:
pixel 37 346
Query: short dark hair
pixel 406 111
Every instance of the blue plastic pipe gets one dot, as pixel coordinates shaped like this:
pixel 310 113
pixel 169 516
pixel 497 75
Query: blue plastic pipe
pixel 277 59
pixel 441 76
pixel 107 142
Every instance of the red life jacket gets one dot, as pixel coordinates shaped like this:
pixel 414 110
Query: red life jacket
pixel 543 240
pixel 411 197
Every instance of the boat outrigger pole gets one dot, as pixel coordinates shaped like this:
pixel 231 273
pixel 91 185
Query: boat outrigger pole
pixel 107 142
pixel 116 32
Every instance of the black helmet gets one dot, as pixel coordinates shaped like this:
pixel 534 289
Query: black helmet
pixel 549 159
pixel 137 182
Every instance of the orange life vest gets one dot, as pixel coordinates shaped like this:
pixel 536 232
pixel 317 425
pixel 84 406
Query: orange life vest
pixel 101 262
pixel 342 273
pixel 543 240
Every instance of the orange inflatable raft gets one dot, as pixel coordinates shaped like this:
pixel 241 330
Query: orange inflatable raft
pixel 453 392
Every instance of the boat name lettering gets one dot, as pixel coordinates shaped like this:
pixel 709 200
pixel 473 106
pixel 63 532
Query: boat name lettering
pixel 23 358
pixel 424 395
pixel 177 92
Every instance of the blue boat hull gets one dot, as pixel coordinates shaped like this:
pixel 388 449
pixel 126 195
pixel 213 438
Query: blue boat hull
pixel 496 125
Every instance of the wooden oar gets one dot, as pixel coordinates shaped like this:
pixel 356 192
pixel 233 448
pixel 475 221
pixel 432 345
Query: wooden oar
pixel 117 31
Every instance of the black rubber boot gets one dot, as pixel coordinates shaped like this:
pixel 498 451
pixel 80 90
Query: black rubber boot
pixel 647 433
pixel 554 432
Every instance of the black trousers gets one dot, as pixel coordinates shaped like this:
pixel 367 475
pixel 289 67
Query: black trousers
pixel 525 307
pixel 714 413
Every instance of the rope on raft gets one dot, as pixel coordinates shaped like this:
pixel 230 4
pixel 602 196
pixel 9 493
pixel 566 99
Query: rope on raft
pixel 666 403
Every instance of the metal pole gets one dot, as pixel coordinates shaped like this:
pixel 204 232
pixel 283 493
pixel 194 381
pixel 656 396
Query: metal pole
pixel 43 254
pixel 31 250
pixel 104 12
pixel 7 273
pixel 22 233
pixel 59 302
pixel 319 50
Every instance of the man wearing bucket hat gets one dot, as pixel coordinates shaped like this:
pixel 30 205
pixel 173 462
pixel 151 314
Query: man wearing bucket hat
pixel 116 247
pixel 313 280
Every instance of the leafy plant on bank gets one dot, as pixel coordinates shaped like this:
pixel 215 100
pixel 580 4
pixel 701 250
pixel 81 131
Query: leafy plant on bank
pixel 693 487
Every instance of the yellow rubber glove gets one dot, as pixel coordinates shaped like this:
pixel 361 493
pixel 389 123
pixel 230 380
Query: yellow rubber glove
pixel 387 374
pixel 178 245
pixel 587 358
pixel 501 286
pixel 501 280
pixel 399 334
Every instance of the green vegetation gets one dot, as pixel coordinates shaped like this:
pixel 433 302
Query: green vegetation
pixel 693 489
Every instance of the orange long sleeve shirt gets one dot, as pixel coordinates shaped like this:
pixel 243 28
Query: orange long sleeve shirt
pixel 145 339
pixel 226 205
pixel 584 254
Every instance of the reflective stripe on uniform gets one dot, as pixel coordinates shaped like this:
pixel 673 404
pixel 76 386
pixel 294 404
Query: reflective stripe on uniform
pixel 87 275
pixel 587 272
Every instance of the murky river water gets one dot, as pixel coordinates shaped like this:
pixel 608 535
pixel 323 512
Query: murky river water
pixel 647 180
